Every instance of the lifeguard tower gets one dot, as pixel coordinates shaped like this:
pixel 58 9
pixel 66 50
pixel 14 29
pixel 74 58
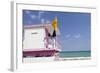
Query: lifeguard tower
pixel 37 43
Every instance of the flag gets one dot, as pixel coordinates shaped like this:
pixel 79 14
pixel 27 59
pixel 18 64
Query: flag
pixel 54 24
pixel 54 34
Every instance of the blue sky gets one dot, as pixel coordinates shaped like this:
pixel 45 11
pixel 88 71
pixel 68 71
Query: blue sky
pixel 75 27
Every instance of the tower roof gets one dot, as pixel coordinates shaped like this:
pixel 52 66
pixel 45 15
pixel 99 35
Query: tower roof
pixel 47 26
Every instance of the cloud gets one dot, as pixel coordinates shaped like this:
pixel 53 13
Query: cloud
pixel 40 14
pixel 33 16
pixel 42 21
pixel 47 21
pixel 71 36
pixel 77 36
pixel 68 36
pixel 27 11
pixel 38 17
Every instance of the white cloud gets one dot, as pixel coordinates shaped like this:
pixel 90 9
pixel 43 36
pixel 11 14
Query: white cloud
pixel 47 21
pixel 42 21
pixel 27 11
pixel 33 16
pixel 77 36
pixel 68 36
pixel 40 14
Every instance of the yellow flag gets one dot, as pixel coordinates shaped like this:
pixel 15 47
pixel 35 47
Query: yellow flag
pixel 54 24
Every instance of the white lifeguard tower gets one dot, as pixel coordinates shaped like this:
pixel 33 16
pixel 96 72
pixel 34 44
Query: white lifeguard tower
pixel 37 43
